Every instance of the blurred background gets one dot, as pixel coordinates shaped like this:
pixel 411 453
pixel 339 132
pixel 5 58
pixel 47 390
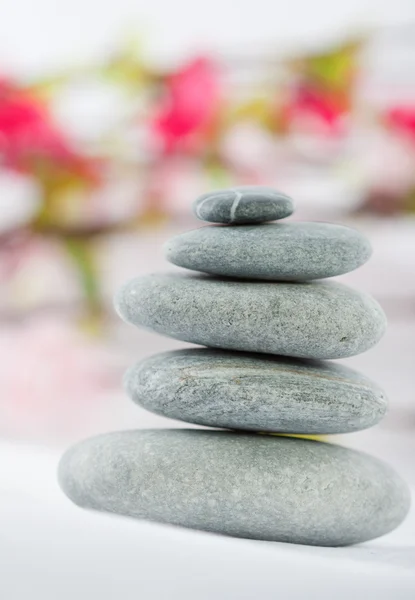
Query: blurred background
pixel 113 118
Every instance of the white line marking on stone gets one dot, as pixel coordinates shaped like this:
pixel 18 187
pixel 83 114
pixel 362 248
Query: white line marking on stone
pixel 238 196
pixel 201 204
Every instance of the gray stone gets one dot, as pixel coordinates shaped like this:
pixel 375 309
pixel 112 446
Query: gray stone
pixel 255 392
pixel 245 204
pixel 274 251
pixel 305 320
pixel 246 485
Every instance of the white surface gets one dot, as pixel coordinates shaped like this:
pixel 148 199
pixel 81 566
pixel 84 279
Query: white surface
pixel 51 550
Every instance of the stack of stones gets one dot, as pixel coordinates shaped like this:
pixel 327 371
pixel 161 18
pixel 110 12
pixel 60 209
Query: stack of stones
pixel 266 324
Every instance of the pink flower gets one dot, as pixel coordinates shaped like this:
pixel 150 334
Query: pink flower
pixel 28 134
pixel 190 106
pixel 316 111
pixel 402 119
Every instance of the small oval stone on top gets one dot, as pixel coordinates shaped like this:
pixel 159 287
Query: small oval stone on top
pixel 244 204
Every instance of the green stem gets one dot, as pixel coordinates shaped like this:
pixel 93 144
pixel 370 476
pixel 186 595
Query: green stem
pixel 81 253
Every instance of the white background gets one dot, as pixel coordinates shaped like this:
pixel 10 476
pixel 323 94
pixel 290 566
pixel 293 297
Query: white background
pixel 39 35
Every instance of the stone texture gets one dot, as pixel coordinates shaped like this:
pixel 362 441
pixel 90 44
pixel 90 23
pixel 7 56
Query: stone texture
pixel 305 320
pixel 245 485
pixel 245 204
pixel 273 251
pixel 255 392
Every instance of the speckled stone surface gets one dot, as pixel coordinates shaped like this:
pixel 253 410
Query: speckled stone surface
pixel 255 392
pixel 245 204
pixel 305 320
pixel 245 485
pixel 273 251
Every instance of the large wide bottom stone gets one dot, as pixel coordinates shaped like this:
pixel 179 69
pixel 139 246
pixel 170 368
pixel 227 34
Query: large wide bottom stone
pixel 305 320
pixel 245 485
pixel 255 392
